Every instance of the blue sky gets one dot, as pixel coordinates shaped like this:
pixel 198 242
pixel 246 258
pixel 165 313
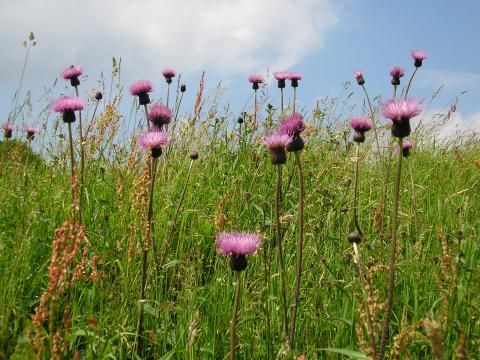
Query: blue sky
pixel 230 39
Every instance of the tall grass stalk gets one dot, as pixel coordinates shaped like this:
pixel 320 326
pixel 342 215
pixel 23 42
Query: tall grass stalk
pixel 82 159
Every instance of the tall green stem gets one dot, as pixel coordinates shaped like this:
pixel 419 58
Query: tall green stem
pixel 146 116
pixel 255 110
pixel 355 190
pixel 168 93
pixel 82 159
pixel 173 223
pixel 410 82
pixel 393 251
pixel 233 325
pixel 299 251
pixel 281 259
pixel 140 340
pixel 281 100
pixel 294 98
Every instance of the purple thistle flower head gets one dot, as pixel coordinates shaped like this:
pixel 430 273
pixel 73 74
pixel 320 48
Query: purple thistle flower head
pixel 31 131
pixel 256 79
pixel 407 145
pixel 277 140
pixel 280 75
pixel 72 72
pixel 401 110
pixel 361 124
pixel 397 72
pixel 68 104
pixel 295 75
pixel 159 115
pixel 153 140
pixel 169 73
pixel 141 87
pixel 8 127
pixel 292 125
pixel 237 243
pixel 359 77
pixel 418 56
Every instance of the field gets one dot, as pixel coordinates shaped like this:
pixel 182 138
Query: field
pixel 90 276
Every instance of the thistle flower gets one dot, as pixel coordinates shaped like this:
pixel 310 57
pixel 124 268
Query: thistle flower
pixel 418 56
pixel 68 105
pixel 153 140
pixel 406 146
pixel 256 79
pixel 293 125
pixel 194 155
pixel 294 77
pixel 400 112
pixel 281 76
pixel 8 129
pixel 359 76
pixel 31 131
pixel 183 88
pixel 237 246
pixel 98 96
pixel 396 73
pixel 168 74
pixel 159 115
pixel 360 125
pixel 141 89
pixel 276 143
pixel 72 74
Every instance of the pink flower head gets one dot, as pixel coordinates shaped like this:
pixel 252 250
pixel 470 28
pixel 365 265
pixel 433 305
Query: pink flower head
pixel 72 72
pixel 277 140
pixel 397 72
pixel 295 76
pixel 361 124
pixel 153 139
pixel 140 87
pixel 159 115
pixel 256 79
pixel 8 127
pixel 400 110
pixel 419 55
pixel 168 73
pixel 30 129
pixel 407 145
pixel 238 243
pixel 68 104
pixel 293 125
pixel 280 75
pixel 358 74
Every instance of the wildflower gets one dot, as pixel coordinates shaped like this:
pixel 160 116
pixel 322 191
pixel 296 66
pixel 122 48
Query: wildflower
pixel 141 89
pixel 359 76
pixel 277 143
pixel 281 76
pixel 72 74
pixel 194 155
pixel 396 73
pixel 293 125
pixel 98 96
pixel 31 131
pixel 8 128
pixel 360 125
pixel 418 56
pixel 168 74
pixel 159 115
pixel 237 246
pixel 294 77
pixel 400 112
pixel 183 88
pixel 68 105
pixel 406 146
pixel 354 237
pixel 240 120
pixel 256 79
pixel 154 140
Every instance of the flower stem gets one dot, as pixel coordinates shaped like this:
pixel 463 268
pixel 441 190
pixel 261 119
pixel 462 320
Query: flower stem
pixel 168 93
pixel 371 333
pixel 299 252
pixel 281 101
pixel 255 110
pixel 146 116
pixel 294 98
pixel 372 116
pixel 82 159
pixel 281 259
pixel 393 251
pixel 173 223
pixel 355 190
pixel 394 92
pixel 410 82
pixel 145 260
pixel 236 301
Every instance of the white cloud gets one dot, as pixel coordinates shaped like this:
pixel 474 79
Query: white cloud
pixel 452 80
pixel 223 36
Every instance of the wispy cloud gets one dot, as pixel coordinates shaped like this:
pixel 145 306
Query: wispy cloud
pixel 452 80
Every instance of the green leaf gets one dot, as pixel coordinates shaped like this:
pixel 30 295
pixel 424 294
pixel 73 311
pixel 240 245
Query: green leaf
pixel 352 354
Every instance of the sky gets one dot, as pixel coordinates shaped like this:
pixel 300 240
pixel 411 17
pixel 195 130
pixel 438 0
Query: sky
pixel 326 40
